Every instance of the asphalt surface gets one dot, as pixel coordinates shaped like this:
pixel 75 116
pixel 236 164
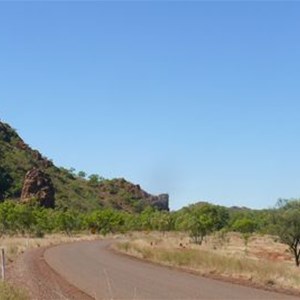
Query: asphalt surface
pixel 104 274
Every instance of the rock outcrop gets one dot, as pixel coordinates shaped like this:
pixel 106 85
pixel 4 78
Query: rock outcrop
pixel 38 185
pixel 122 194
pixel 71 190
pixel 161 201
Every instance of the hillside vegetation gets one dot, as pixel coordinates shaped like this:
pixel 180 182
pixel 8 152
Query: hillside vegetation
pixel 101 206
pixel 71 190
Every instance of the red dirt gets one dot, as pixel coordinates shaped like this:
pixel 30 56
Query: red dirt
pixel 273 256
pixel 31 272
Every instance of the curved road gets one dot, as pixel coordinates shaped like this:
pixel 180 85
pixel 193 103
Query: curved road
pixel 103 274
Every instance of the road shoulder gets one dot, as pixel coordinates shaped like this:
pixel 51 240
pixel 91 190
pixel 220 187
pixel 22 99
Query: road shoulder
pixel 31 272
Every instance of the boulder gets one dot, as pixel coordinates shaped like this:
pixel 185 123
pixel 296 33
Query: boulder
pixel 38 185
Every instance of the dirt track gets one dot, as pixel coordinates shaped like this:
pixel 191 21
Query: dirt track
pixel 103 274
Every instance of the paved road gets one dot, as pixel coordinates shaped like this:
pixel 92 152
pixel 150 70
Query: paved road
pixel 103 274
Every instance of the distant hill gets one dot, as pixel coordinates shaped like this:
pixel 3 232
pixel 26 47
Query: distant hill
pixel 71 190
pixel 231 209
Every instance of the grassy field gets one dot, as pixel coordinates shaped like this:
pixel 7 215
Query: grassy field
pixel 259 260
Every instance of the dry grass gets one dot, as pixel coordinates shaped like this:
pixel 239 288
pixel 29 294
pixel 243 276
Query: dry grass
pixel 263 261
pixel 7 292
pixel 16 245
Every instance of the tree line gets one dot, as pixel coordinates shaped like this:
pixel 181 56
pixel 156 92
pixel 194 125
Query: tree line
pixel 197 220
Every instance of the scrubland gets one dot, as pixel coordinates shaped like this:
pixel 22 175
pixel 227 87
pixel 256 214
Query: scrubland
pixel 259 260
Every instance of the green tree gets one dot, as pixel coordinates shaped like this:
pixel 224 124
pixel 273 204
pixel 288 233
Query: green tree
pixel 68 221
pixel 5 182
pixel 94 179
pixel 105 221
pixel 23 217
pixel 199 226
pixel 288 227
pixel 72 170
pixel 81 174
pixel 146 218
pixel 198 222
pixel 44 221
pixel 6 216
pixel 244 225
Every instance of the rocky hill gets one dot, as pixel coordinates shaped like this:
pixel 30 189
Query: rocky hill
pixel 26 175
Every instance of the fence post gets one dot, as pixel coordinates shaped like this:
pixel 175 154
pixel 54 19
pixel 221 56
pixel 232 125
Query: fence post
pixel 2 264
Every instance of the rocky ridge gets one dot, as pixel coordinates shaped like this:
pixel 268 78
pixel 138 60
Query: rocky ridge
pixel 123 194
pixel 26 174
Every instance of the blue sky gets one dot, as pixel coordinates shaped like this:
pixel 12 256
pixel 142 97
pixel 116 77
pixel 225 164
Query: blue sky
pixel 197 99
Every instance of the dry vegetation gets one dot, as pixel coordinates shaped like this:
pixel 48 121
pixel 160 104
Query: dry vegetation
pixel 8 292
pixel 259 260
pixel 16 245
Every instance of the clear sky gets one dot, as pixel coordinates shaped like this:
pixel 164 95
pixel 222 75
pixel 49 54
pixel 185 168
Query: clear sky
pixel 197 99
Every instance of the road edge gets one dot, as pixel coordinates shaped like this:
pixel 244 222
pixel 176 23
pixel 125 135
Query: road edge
pixel 32 273
pixel 236 281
